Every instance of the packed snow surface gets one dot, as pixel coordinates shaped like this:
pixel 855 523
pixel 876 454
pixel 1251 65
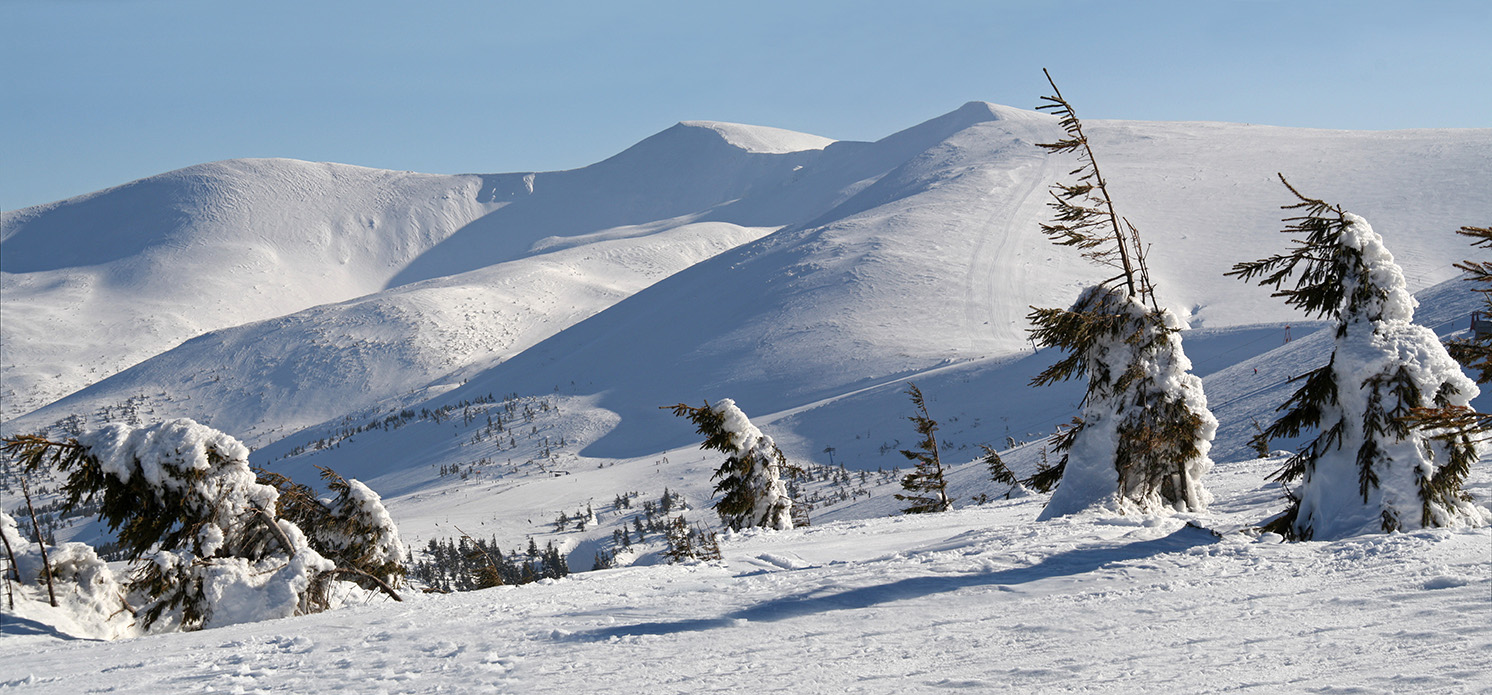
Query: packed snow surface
pixel 982 598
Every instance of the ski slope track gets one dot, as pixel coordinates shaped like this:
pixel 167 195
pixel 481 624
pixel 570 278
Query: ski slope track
pixel 489 351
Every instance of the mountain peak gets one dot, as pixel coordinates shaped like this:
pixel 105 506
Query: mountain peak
pixel 761 139
pixel 979 111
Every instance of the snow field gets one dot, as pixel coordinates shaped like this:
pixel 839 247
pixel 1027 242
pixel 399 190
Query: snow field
pixel 981 598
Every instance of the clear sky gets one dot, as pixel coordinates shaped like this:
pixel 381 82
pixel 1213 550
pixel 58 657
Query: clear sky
pixel 95 93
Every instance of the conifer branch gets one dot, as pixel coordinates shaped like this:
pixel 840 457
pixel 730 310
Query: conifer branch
pixel 1084 214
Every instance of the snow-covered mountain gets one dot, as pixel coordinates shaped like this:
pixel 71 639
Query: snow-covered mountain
pixel 97 283
pixel 891 258
pixel 488 352
pixel 100 282
pixel 936 263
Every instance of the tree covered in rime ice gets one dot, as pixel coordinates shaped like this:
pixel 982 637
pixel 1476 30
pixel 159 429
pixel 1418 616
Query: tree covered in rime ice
pixel 1141 443
pixel 210 544
pixel 750 480
pixel 926 487
pixel 1367 469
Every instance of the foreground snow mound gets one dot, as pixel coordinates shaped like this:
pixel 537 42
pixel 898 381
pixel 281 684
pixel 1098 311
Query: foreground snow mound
pixel 90 598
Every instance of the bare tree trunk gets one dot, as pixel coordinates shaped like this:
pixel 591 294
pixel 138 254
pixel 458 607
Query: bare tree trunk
pixel 14 568
pixel 46 564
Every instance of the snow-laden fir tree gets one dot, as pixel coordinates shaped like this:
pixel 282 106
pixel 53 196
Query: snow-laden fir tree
pixel 926 487
pixel 1142 441
pixel 204 536
pixel 1367 469
pixel 1474 351
pixel 353 529
pixel 750 479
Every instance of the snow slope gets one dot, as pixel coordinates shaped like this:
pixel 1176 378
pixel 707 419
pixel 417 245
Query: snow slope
pixel 223 244
pixel 266 379
pixel 938 260
pixel 682 172
pixel 97 283
pixel 981 599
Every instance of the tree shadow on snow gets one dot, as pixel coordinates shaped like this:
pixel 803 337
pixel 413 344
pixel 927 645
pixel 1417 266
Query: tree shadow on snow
pixel 1070 563
pixel 11 624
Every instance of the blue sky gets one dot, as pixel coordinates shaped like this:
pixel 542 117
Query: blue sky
pixel 95 93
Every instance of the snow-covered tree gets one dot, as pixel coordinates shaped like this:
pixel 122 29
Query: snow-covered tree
pixel 926 487
pixel 750 480
pixel 1141 443
pixel 207 544
pixel 1473 351
pixel 1367 469
pixel 353 529
pixel 1001 473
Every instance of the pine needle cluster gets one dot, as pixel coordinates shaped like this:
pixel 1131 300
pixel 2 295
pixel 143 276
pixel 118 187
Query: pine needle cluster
pixel 1473 351
pixel 685 542
pixel 1083 212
